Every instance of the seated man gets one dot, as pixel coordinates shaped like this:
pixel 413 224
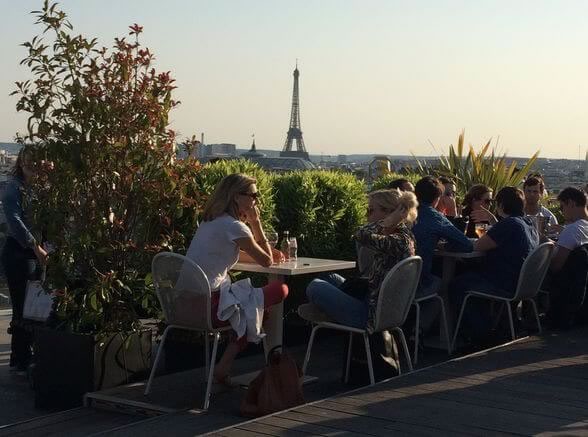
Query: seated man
pixel 430 227
pixel 575 234
pixel 568 271
pixel 534 189
pixel 507 244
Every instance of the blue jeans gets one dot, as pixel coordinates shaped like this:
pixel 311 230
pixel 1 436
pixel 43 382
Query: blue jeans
pixel 476 316
pixel 338 305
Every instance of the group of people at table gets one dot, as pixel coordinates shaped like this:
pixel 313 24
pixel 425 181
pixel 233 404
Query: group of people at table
pixel 402 221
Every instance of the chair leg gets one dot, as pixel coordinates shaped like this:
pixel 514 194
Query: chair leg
pixel 308 349
pixel 405 349
pixel 156 363
pixel 463 305
pixel 445 324
pixel 211 371
pixel 510 320
pixel 348 357
pixel 206 352
pixel 536 311
pixel 368 352
pixel 417 326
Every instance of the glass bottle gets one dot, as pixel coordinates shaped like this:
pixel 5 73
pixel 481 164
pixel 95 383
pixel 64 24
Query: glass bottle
pixel 293 248
pixel 285 245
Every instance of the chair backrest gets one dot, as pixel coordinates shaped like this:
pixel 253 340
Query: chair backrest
pixel 397 293
pixel 183 291
pixel 533 271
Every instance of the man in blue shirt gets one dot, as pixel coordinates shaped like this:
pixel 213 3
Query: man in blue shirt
pixel 430 227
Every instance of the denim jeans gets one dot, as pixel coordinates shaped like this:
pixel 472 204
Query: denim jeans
pixel 338 305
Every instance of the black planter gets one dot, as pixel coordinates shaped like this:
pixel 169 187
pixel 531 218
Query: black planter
pixel 66 365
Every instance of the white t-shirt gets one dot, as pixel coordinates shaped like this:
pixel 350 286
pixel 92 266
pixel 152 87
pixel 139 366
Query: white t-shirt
pixel 544 212
pixel 574 235
pixel 214 248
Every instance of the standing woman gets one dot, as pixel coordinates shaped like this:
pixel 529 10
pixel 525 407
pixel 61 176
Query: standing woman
pixel 20 248
pixel 231 231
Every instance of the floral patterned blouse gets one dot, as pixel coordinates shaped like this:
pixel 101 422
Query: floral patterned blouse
pixel 388 249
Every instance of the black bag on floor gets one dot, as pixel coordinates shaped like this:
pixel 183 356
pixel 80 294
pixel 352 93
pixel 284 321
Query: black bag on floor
pixel 384 358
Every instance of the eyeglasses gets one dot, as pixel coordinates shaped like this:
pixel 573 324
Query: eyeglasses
pixel 252 195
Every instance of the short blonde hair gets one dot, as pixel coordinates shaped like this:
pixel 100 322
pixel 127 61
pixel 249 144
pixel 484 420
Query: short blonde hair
pixel 392 199
pixel 223 200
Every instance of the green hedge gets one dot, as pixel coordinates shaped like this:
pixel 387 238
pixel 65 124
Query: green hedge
pixel 383 181
pixel 322 209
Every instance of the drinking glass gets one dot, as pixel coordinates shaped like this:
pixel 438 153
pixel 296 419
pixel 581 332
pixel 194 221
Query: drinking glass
pixel 481 229
pixel 272 238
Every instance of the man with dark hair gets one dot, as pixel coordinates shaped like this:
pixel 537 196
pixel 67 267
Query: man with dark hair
pixel 572 202
pixel 401 184
pixel 430 227
pixel 534 189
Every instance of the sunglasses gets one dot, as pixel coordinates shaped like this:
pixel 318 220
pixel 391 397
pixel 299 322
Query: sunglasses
pixel 487 201
pixel 252 195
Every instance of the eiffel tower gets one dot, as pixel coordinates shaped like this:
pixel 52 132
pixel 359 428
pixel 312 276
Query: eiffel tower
pixel 294 146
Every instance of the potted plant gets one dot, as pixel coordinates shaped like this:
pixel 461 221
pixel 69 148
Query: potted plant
pixel 109 197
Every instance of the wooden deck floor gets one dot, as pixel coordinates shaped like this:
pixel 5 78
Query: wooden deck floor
pixel 535 386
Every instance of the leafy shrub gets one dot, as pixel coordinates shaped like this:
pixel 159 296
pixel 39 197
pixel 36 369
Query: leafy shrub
pixel 483 167
pixel 382 182
pixel 322 209
pixel 115 196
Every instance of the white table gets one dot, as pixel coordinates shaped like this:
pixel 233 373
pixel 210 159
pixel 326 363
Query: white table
pixel 275 321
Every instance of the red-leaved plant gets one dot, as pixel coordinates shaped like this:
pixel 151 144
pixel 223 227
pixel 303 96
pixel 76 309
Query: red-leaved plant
pixel 114 195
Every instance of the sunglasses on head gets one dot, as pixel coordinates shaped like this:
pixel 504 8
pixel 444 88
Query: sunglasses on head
pixel 252 195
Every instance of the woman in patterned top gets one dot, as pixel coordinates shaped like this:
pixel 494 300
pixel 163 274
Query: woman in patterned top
pixel 390 240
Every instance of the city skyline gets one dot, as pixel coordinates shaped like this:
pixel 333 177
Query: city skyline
pixel 375 76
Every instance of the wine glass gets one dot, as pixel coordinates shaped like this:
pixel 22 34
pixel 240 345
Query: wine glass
pixel 481 229
pixel 272 238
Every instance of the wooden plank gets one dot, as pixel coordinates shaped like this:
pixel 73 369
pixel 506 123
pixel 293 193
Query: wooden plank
pixel 262 427
pixel 301 425
pixel 344 422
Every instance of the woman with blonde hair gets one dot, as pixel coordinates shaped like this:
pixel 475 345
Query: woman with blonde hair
pixel 391 213
pixel 231 231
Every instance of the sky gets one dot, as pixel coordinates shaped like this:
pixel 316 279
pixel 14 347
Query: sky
pixel 392 77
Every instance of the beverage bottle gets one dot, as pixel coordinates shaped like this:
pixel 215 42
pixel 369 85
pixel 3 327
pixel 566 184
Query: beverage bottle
pixel 293 248
pixel 285 245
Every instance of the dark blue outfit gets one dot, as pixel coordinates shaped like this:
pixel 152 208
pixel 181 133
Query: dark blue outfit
pixel 16 258
pixel 430 227
pixel 515 238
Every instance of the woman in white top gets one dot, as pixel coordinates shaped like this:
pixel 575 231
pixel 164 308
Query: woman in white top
pixel 231 231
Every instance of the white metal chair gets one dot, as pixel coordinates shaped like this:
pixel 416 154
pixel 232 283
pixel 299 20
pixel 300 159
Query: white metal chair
pixel 394 302
pixel 531 277
pixel 184 294
pixel 417 303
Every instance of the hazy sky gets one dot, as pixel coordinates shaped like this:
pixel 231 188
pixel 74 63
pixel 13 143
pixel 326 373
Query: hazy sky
pixel 375 76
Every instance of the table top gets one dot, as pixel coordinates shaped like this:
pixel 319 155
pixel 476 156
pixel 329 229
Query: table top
pixel 301 266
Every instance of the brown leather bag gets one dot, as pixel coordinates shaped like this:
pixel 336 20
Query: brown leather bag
pixel 278 386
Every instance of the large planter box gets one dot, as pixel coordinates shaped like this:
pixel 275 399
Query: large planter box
pixel 66 365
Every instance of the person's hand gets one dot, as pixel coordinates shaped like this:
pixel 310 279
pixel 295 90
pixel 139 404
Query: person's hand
pixel 278 256
pixel 252 215
pixel 555 229
pixel 395 217
pixel 482 215
pixel 41 254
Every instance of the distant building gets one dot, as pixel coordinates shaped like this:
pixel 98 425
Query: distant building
pixel 283 164
pixel 217 150
pixel 252 153
pixel 342 159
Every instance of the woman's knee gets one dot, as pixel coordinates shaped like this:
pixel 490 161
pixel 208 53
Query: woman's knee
pixel 275 292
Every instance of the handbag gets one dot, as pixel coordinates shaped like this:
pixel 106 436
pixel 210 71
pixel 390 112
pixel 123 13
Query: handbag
pixel 278 386
pixel 38 303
